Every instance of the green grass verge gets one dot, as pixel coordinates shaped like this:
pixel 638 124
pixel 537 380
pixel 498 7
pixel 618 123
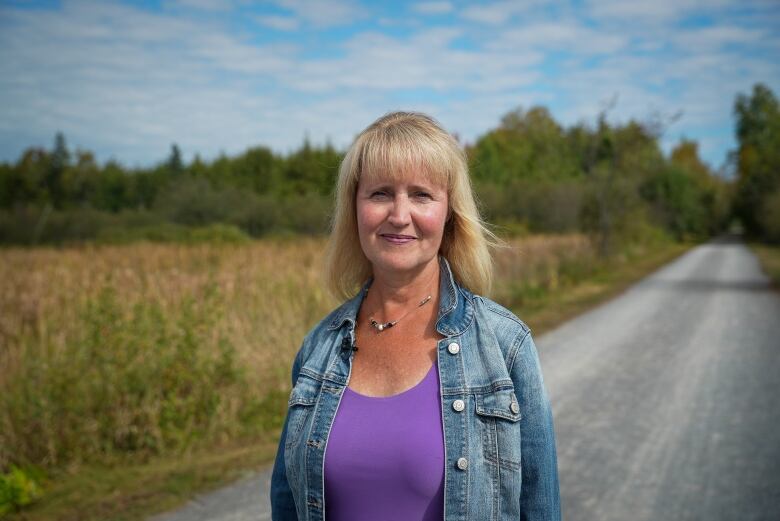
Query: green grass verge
pixel 545 310
pixel 769 257
pixel 129 492
pixel 133 491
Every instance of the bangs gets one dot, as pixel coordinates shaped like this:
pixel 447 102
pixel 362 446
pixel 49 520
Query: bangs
pixel 398 154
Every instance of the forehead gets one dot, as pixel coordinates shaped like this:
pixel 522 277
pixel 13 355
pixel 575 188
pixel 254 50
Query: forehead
pixel 403 157
pixel 403 169
pixel 403 178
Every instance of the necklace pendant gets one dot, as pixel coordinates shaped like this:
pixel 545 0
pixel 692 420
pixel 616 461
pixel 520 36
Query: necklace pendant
pixel 376 325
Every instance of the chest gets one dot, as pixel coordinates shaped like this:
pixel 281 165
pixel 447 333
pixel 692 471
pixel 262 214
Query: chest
pixel 392 361
pixel 477 406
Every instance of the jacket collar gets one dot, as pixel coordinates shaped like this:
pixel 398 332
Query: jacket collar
pixel 455 311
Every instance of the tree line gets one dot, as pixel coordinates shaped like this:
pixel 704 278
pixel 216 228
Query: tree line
pixel 757 190
pixel 531 174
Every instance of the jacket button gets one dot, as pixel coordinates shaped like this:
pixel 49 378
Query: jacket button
pixel 458 405
pixel 463 463
pixel 453 348
pixel 514 408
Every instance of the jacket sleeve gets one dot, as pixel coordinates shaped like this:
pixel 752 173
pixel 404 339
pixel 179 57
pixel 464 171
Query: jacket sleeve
pixel 282 502
pixel 540 497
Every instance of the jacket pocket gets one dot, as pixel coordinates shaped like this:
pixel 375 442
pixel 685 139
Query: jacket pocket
pixel 499 415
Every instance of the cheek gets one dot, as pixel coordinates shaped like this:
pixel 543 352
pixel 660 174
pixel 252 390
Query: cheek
pixel 433 220
pixel 368 217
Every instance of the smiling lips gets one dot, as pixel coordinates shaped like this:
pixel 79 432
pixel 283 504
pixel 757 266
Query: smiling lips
pixel 397 239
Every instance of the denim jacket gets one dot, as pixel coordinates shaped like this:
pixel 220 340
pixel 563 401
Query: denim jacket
pixel 499 444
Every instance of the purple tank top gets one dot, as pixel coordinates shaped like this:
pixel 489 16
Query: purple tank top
pixel 385 456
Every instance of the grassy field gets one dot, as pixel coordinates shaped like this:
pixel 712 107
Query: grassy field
pixel 769 257
pixel 133 376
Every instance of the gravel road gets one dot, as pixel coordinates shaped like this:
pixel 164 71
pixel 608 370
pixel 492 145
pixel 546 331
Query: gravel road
pixel 666 401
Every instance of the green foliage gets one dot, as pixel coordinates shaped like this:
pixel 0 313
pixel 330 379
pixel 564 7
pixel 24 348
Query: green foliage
pixel 539 206
pixel 769 258
pixel 616 160
pixel 194 202
pixel 175 164
pixel 607 180
pixel 113 190
pixel 510 228
pixel 25 182
pixel 609 206
pixel 19 487
pixel 31 225
pixel 60 160
pixel 310 170
pixel 147 381
pixel 769 217
pixel 257 170
pixel 527 145
pixel 678 203
pixel 170 232
pixel 530 173
pixel 757 158
pixel 218 233
pixel 153 232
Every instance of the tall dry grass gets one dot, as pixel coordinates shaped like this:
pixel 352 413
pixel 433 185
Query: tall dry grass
pixel 130 351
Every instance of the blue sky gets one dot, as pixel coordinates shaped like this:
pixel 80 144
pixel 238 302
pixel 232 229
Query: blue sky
pixel 126 79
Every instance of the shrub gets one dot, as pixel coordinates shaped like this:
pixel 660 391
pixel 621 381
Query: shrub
pixel 769 217
pixel 19 487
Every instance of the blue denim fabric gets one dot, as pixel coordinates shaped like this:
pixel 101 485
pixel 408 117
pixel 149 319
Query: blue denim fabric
pixel 500 459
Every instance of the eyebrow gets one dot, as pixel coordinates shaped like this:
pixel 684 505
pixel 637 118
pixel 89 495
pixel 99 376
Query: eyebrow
pixel 388 185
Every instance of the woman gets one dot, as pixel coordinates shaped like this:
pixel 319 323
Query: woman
pixel 416 399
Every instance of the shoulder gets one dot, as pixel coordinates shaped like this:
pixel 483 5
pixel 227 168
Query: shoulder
pixel 492 320
pixel 496 315
pixel 502 314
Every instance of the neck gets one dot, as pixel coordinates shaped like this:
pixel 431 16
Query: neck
pixel 395 293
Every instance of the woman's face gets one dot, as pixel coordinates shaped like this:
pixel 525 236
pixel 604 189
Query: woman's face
pixel 400 223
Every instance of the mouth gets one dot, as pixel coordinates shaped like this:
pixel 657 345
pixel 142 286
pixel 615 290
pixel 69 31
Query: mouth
pixel 397 238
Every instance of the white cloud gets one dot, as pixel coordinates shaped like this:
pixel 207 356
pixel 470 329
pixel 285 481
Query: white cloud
pixel 323 13
pixel 643 11
pixel 281 23
pixel 709 38
pixel 566 36
pixel 117 78
pixel 496 13
pixel 432 7
pixel 201 5
pixel 129 81
pixel 423 61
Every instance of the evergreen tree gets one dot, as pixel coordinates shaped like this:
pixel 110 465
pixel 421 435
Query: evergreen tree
pixel 175 164
pixel 60 160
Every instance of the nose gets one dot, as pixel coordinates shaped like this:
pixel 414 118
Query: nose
pixel 400 213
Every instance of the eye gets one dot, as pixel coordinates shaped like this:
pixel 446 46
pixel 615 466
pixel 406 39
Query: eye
pixel 423 195
pixel 378 194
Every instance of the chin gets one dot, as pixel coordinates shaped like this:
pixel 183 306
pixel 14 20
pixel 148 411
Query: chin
pixel 400 262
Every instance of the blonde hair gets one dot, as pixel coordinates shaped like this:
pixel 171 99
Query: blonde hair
pixel 391 147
